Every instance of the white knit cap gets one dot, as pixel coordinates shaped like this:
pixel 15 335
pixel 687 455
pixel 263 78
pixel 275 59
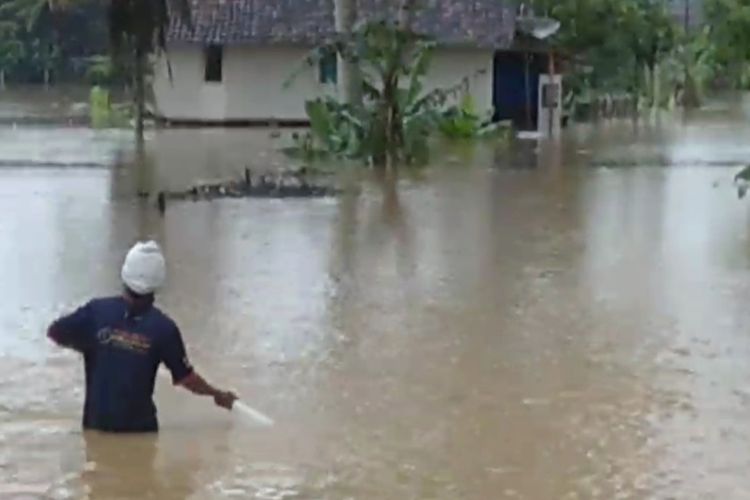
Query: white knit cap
pixel 144 270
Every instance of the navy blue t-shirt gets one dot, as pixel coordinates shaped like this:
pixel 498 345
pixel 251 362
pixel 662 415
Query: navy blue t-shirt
pixel 122 352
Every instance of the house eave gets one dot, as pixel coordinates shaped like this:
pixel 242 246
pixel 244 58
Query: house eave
pixel 310 44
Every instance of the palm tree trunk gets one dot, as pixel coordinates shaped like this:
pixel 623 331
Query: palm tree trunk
pixel 394 131
pixel 406 14
pixel 140 94
pixel 2 79
pixel 656 85
pixel 348 73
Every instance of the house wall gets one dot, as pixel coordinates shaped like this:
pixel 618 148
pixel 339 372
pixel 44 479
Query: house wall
pixel 451 66
pixel 253 79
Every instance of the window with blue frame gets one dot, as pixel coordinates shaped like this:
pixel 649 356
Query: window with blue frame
pixel 328 67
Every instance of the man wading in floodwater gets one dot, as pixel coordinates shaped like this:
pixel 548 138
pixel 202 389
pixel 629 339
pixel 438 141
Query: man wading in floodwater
pixel 123 341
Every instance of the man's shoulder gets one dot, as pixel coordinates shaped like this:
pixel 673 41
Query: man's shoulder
pixel 164 320
pixel 105 303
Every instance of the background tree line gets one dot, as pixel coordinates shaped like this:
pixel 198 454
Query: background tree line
pixel 619 45
pixel 645 48
pixel 45 42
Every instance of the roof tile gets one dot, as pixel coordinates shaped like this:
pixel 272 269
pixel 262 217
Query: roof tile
pixel 482 23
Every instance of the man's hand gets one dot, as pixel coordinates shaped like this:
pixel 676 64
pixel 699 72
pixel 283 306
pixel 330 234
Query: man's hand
pixel 198 385
pixel 225 399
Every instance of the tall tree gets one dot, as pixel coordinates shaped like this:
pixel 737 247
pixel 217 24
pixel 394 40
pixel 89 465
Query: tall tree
pixel 138 29
pixel 28 12
pixel 44 53
pixel 616 37
pixel 55 35
pixel 729 32
pixel 34 19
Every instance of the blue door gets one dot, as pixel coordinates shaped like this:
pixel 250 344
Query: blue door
pixel 510 96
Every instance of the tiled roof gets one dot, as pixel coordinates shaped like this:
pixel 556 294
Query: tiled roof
pixel 484 23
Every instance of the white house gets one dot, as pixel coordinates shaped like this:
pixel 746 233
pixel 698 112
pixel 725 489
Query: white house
pixel 231 65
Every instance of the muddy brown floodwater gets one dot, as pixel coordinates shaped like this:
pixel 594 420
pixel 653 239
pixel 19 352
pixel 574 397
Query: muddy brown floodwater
pixel 567 323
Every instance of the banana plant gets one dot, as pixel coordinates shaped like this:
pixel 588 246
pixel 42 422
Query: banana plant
pixel 396 117
pixel 27 12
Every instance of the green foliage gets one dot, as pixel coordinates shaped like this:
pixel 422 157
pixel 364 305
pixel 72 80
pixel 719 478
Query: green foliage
pixel 11 49
pixel 687 72
pixel 463 122
pixel 728 24
pixel 62 36
pixel 393 122
pixel 52 35
pixel 101 107
pixel 729 21
pixel 105 70
pixel 43 53
pixel 138 29
pixel 304 147
pixel 33 32
pixel 100 70
pixel 361 132
pixel 103 113
pixel 397 116
pixel 26 12
pixel 615 38
pixel 336 128
pixel 141 25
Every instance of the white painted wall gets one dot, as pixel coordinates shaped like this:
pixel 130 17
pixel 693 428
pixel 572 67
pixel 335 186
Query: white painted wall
pixel 253 78
pixel 450 66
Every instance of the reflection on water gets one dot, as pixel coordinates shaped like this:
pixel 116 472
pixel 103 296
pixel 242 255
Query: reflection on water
pixel 477 332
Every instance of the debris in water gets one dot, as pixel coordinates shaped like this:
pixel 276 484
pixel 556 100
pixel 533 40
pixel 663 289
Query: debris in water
pixel 535 402
pixel 682 351
pixel 161 202
pixel 742 181
pixel 298 183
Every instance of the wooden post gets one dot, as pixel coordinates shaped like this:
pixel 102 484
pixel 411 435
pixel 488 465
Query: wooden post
pixel 140 93
pixel 551 70
pixel 527 86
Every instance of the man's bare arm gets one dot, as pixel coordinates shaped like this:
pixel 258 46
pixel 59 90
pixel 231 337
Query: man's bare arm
pixel 199 386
